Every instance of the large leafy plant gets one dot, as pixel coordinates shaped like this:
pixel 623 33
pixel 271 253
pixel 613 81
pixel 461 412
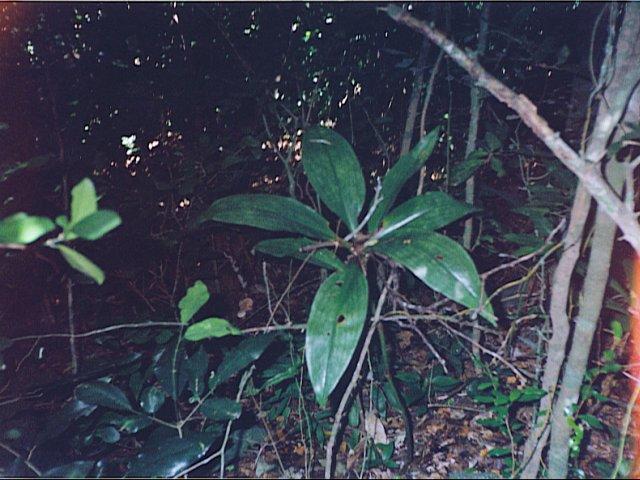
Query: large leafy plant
pixel 405 235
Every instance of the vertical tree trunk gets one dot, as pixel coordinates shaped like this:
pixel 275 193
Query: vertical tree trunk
pixel 472 135
pixel 560 329
pixel 616 97
pixel 416 90
pixel 590 305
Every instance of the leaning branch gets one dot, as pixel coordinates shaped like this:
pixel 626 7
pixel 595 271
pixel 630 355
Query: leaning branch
pixel 588 172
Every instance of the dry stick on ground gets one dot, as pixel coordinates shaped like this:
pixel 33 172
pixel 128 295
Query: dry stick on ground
pixel 587 172
pixel 354 380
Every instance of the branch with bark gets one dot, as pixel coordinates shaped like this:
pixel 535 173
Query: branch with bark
pixel 587 171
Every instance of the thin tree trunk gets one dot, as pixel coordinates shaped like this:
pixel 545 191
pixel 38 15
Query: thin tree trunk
pixel 617 97
pixel 472 137
pixel 560 327
pixel 590 305
pixel 416 90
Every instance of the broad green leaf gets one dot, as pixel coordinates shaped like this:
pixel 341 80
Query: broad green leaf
pixel 168 368
pixel 290 247
pixel 22 228
pixel 78 469
pixel 169 455
pixel 197 295
pixel 102 394
pixel 108 434
pixel 465 169
pixel 82 264
pixel 426 212
pixel 336 320
pixel 210 328
pixel 134 423
pixel 60 421
pixel 152 399
pixel 269 212
pixel 62 221
pixel 196 367
pixel 443 383
pixel 84 201
pixel 241 356
pixel 531 394
pixel 442 264
pixel 96 225
pixel 406 166
pixel 334 171
pixel 221 409
pixel 616 328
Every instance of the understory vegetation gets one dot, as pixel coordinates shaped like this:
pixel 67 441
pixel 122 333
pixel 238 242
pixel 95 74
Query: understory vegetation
pixel 319 240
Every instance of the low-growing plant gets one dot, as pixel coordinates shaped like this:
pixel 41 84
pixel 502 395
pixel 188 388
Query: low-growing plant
pixel 405 235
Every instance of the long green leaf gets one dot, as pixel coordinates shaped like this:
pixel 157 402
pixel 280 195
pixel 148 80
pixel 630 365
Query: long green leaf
pixel 465 169
pixel 152 399
pixel 269 212
pixel 79 469
pixel 403 170
pixel 221 409
pixel 337 317
pixel 210 328
pixel 96 225
pixel 23 228
pixel 82 264
pixel 84 201
pixel 426 212
pixel 102 394
pixel 334 171
pixel 197 295
pixel 290 247
pixel 442 264
pixel 247 352
pixel 168 455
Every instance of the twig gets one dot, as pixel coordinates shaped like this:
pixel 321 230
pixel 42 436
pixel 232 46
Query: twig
pixel 268 430
pixel 352 384
pixel 72 328
pixel 423 116
pixel 426 341
pixel 127 326
pixel 500 358
pixel 31 466
pixel 12 246
pixel 377 198
pixel 220 452
pixel 625 428
pixel 524 258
